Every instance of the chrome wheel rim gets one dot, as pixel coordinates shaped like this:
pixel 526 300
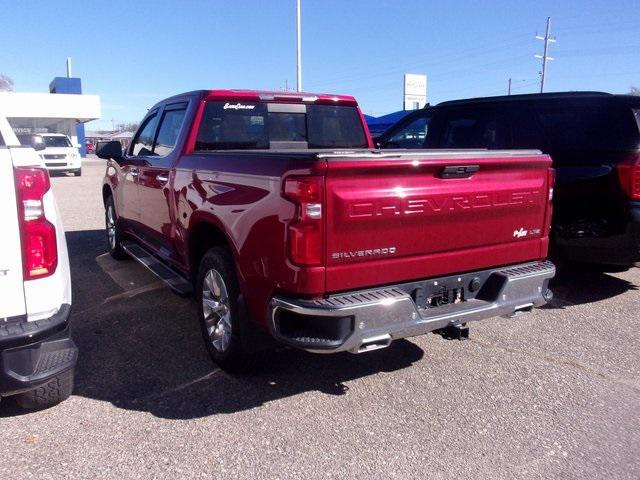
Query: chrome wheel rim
pixel 111 227
pixel 215 307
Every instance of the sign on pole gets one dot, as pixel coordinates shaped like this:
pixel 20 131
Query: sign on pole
pixel 415 91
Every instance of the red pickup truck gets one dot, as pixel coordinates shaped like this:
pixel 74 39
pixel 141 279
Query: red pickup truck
pixel 277 213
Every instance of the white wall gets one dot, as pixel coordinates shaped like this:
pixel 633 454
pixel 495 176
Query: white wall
pixel 50 105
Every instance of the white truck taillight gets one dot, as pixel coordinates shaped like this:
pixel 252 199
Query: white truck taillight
pixel 629 176
pixel 306 232
pixel 39 247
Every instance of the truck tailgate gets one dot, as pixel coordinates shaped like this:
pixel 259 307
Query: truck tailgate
pixel 400 216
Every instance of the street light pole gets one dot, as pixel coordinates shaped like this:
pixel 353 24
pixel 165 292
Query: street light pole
pixel 299 47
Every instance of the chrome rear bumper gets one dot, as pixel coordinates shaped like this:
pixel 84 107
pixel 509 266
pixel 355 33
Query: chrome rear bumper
pixel 370 319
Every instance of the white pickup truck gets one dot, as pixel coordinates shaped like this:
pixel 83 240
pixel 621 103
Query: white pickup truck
pixel 37 355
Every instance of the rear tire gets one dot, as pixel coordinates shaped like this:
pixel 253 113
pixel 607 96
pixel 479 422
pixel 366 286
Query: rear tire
pixel 221 322
pixel 51 393
pixel 114 238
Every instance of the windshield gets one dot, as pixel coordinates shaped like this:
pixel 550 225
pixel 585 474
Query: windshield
pixel 55 141
pixel 227 126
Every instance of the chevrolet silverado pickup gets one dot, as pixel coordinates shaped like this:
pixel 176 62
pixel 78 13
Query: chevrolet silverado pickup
pixel 37 354
pixel 277 213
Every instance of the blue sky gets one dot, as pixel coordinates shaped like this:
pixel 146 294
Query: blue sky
pixel 136 52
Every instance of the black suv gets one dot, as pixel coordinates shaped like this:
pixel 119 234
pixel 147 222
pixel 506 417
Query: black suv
pixel 594 140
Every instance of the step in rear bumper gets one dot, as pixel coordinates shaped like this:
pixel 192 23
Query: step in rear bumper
pixel 32 353
pixel 368 319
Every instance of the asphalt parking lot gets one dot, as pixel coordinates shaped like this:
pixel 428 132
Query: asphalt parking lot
pixel 553 394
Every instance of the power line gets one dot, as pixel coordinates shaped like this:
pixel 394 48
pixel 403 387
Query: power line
pixel 547 40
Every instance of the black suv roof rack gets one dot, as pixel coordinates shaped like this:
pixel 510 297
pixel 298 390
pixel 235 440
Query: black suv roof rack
pixel 527 96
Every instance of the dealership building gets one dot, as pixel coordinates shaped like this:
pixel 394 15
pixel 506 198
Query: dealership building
pixel 65 109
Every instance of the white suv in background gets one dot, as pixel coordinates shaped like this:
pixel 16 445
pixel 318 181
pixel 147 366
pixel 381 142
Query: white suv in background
pixel 37 355
pixel 60 155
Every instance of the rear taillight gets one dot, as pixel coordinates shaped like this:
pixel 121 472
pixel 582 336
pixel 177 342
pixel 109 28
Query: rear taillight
pixel 629 176
pixel 551 182
pixel 39 248
pixel 306 232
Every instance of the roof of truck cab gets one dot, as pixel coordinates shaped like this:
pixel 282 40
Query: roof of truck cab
pixel 537 97
pixel 265 96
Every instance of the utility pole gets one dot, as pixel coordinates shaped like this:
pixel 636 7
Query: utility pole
pixel 547 40
pixel 509 91
pixel 299 48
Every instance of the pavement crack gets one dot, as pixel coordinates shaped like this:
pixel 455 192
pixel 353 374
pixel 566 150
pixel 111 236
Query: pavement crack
pixel 562 361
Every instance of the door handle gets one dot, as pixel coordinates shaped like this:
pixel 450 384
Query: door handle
pixel 162 178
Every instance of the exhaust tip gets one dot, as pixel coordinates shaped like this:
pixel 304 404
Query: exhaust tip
pixel 374 343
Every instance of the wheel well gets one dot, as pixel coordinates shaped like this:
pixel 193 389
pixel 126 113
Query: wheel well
pixel 106 193
pixel 202 237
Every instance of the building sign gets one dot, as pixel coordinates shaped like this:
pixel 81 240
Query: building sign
pixel 29 130
pixel 415 91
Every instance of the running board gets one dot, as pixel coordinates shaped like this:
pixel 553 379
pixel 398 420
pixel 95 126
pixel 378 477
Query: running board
pixel 173 279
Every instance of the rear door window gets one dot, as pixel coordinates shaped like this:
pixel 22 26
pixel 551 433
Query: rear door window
pixel 477 127
pixel 254 126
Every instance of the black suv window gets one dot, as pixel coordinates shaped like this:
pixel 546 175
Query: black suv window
pixel 475 127
pixel 227 125
pixel 598 126
pixel 412 135
pixel 143 142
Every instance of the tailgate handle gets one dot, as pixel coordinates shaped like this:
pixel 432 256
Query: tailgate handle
pixel 459 171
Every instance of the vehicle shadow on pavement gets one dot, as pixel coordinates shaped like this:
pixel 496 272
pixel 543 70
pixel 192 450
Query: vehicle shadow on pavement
pixel 141 347
pixel 579 284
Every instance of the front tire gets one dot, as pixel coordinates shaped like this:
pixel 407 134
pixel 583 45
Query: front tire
pixel 217 293
pixel 114 238
pixel 77 172
pixel 51 393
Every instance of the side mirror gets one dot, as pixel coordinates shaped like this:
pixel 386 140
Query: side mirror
pixel 109 150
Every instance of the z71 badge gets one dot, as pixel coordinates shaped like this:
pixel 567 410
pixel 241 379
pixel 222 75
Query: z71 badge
pixel 521 233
